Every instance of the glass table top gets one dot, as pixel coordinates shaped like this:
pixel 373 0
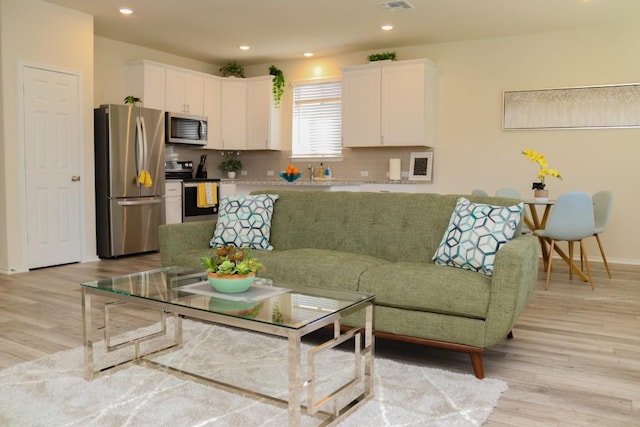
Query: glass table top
pixel 266 302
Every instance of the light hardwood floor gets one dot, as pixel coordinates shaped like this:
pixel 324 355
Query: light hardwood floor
pixel 574 360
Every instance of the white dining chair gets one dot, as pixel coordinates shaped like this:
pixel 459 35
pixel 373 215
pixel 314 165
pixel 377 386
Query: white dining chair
pixel 570 220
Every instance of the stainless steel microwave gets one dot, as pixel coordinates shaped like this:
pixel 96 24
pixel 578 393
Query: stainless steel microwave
pixel 185 129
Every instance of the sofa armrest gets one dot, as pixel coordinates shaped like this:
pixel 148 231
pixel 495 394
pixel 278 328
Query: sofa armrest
pixel 515 274
pixel 178 238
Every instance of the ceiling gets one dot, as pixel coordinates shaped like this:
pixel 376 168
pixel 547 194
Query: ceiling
pixel 212 30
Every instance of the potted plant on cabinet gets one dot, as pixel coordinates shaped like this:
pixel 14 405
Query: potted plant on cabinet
pixel 231 164
pixel 384 56
pixel 232 69
pixel 278 84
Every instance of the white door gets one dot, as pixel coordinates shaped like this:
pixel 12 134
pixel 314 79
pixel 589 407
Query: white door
pixel 52 169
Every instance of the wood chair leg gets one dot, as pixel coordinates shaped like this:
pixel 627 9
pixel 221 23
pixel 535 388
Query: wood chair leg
pixel 476 362
pixel 549 258
pixel 586 263
pixel 604 258
pixel 570 259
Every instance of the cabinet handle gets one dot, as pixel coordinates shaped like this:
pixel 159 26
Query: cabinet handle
pixel 75 178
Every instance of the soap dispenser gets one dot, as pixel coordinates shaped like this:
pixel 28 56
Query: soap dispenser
pixel 327 172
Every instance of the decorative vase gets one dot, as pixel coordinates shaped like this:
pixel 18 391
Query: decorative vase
pixel 231 283
pixel 231 174
pixel 541 195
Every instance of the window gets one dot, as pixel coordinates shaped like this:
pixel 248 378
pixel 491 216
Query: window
pixel 317 119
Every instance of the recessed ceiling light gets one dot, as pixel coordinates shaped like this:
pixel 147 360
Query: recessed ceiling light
pixel 387 27
pixel 244 47
pixel 308 54
pixel 126 11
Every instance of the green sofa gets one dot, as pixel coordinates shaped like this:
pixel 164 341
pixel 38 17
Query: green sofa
pixel 383 243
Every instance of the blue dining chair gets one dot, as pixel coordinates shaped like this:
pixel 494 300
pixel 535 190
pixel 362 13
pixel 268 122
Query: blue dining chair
pixel 479 192
pixel 570 220
pixel 602 204
pixel 511 193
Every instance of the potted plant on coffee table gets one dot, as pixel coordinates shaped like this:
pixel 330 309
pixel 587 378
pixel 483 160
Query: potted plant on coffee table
pixel 230 269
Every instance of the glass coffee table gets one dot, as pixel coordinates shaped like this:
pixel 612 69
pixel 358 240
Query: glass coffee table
pixel 275 309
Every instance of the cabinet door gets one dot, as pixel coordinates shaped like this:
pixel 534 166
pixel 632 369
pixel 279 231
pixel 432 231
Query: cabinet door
pixel 259 114
pixel 147 82
pixel 361 107
pixel 212 93
pixel 175 91
pixel 233 114
pixel 194 94
pixel 403 105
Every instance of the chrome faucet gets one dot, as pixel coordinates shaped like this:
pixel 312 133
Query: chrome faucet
pixel 311 172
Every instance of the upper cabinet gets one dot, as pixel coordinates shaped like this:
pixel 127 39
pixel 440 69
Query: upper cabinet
pixel 263 118
pixel 184 92
pixel 250 120
pixel 389 104
pixel 241 112
pixel 146 81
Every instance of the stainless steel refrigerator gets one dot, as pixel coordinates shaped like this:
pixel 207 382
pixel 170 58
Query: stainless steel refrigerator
pixel 129 165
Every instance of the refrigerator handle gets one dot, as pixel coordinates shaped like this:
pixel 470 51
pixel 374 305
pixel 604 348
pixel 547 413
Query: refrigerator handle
pixel 139 202
pixel 145 148
pixel 139 148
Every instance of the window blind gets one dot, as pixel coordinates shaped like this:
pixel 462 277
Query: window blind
pixel 317 119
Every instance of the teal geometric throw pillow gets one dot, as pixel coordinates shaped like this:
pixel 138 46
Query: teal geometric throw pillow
pixel 475 234
pixel 245 221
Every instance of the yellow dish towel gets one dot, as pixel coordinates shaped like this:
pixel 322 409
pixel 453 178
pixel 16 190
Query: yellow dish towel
pixel 207 194
pixel 145 178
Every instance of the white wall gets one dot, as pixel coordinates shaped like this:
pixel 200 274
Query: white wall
pixel 38 33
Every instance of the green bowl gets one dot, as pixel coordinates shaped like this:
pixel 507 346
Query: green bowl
pixel 231 284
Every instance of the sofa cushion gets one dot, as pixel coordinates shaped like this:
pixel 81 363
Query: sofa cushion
pixel 315 267
pixel 475 234
pixel 245 221
pixel 428 287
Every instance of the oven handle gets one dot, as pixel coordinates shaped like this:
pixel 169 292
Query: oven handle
pixel 192 184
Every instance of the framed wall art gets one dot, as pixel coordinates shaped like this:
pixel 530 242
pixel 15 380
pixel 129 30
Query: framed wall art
pixel 591 107
pixel 421 166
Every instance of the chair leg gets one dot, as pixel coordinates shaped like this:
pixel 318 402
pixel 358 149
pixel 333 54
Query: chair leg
pixel 549 258
pixel 604 258
pixel 583 253
pixel 570 243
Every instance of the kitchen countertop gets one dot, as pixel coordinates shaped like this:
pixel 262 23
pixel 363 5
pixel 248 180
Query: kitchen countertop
pixel 307 183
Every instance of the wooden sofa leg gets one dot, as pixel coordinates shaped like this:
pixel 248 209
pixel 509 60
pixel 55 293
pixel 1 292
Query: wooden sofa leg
pixel 476 362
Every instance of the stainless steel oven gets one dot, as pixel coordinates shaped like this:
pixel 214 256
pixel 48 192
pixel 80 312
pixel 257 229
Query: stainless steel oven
pixel 191 209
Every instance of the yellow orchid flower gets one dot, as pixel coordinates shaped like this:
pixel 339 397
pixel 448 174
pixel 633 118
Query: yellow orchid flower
pixel 544 171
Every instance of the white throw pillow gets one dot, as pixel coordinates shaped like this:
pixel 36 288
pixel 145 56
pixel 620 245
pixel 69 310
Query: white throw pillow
pixel 475 234
pixel 245 221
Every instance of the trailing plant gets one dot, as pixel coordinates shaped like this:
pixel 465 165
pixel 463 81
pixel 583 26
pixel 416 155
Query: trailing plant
pixel 382 56
pixel 278 84
pixel 232 69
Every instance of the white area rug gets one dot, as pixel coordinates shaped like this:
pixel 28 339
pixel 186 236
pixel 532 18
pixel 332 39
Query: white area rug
pixel 52 391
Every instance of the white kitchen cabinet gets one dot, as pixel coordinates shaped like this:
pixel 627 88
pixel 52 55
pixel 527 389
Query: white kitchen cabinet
pixel 212 110
pixel 147 82
pixel 263 119
pixel 184 92
pixel 173 202
pixel 233 114
pixel 389 104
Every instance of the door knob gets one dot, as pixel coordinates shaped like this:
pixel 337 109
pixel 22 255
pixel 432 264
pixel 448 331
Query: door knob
pixel 75 178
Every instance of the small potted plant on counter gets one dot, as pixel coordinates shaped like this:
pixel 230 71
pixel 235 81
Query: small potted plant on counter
pixel 231 164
